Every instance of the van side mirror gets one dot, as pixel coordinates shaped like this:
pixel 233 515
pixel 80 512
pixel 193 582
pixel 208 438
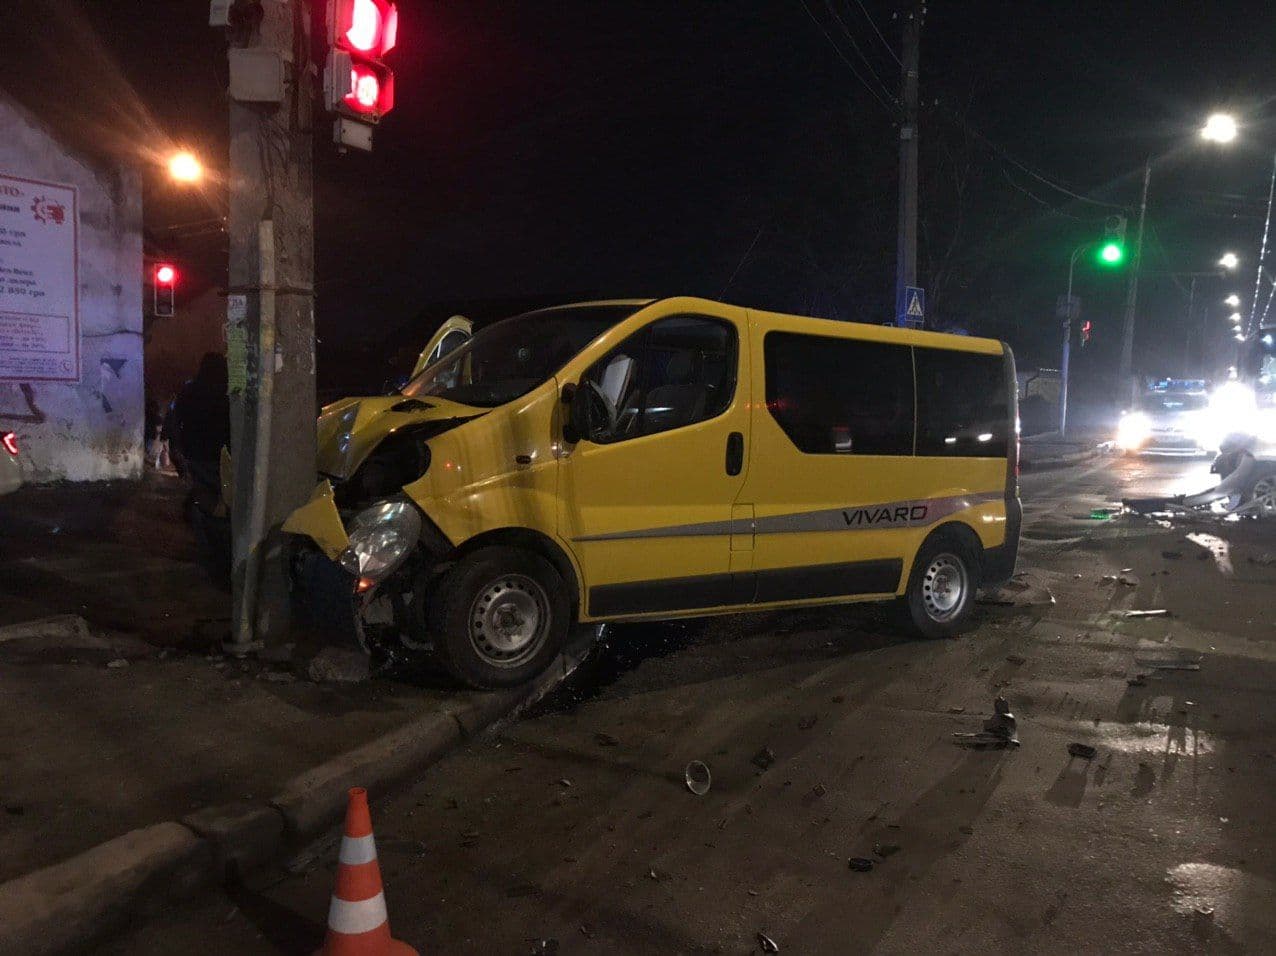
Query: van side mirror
pixel 580 413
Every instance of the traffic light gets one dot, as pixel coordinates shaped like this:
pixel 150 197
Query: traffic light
pixel 1112 249
pixel 357 84
pixel 163 285
pixel 1086 328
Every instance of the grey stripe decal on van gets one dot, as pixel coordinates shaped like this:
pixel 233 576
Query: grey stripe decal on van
pixel 895 514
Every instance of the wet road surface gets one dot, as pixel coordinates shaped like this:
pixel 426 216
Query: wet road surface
pixel 571 830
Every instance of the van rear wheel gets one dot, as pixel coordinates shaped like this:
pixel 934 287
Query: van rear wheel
pixel 498 617
pixel 941 588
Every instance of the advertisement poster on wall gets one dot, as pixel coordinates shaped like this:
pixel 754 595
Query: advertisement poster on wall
pixel 39 283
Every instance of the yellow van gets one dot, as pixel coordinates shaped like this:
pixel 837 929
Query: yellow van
pixel 658 459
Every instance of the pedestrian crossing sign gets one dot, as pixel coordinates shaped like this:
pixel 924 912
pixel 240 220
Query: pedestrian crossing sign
pixel 912 307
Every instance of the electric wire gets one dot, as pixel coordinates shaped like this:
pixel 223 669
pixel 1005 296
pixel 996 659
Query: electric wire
pixel 842 56
pixel 856 47
pixel 869 17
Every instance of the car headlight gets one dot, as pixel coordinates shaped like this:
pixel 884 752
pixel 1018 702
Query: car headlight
pixel 1133 430
pixel 381 538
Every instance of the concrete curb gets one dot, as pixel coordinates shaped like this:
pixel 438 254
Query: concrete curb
pixel 71 904
pixel 1056 461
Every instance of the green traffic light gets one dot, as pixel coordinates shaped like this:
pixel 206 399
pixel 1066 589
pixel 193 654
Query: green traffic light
pixel 1111 254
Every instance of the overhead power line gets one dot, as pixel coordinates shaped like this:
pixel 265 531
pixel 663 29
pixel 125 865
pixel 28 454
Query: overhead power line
pixel 869 17
pixel 856 47
pixel 838 50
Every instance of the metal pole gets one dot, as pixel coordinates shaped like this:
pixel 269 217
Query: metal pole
pixel 1187 335
pixel 1132 291
pixel 270 325
pixel 1067 346
pixel 906 249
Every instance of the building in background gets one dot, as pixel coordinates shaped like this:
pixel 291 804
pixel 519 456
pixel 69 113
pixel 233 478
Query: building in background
pixel 71 375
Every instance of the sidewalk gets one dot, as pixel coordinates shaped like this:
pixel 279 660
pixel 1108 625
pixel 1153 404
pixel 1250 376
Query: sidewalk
pixel 138 720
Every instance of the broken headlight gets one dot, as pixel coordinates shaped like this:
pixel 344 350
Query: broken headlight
pixel 381 538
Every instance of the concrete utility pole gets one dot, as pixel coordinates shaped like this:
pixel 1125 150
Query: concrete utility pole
pixel 1132 291
pixel 906 251
pixel 270 305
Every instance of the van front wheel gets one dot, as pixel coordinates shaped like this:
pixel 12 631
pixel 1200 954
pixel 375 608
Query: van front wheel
pixel 941 587
pixel 498 617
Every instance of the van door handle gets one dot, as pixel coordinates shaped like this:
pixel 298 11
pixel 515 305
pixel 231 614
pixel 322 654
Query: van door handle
pixel 735 453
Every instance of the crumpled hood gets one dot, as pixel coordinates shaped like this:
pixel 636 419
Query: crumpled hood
pixel 351 428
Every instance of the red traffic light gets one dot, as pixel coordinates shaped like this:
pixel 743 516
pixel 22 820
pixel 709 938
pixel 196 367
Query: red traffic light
pixel 165 274
pixel 371 90
pixel 368 27
pixel 1086 329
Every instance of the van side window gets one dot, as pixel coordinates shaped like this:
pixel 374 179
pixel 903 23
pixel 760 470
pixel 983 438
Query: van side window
pixel 962 404
pixel 673 373
pixel 836 396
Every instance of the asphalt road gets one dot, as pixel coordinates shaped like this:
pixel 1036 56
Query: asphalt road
pixel 571 829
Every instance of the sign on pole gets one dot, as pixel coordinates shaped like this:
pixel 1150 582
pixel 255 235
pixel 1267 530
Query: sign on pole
pixel 1067 307
pixel 39 287
pixel 910 311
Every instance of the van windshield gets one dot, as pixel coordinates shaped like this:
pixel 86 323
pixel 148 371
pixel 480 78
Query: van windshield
pixel 507 360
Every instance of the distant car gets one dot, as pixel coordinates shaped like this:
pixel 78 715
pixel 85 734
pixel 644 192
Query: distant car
pixel 10 469
pixel 1173 417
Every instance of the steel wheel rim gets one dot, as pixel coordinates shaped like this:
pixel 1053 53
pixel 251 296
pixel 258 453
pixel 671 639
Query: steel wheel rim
pixel 509 620
pixel 1265 495
pixel 945 584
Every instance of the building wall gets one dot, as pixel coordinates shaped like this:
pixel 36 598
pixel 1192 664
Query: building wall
pixel 90 429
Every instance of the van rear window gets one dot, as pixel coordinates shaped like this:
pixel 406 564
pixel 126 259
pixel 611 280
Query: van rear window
pixel 962 404
pixel 837 396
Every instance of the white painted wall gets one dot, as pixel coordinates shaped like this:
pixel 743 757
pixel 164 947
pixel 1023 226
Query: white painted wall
pixel 91 430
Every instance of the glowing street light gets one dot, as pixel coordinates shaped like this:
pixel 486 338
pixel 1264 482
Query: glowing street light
pixel 1219 128
pixel 1229 260
pixel 185 167
pixel 1235 317
pixel 1233 300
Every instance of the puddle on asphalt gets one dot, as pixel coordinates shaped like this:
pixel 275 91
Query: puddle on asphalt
pixel 1223 898
pixel 1217 547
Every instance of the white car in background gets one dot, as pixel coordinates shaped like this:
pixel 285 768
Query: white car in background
pixel 10 470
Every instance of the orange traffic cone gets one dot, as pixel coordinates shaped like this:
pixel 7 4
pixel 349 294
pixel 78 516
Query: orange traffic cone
pixel 357 921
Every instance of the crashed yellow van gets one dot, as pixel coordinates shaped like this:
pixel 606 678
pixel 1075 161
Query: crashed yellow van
pixel 660 459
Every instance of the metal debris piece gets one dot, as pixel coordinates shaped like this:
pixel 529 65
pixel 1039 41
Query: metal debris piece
pixel 1000 730
pixel 564 782
pixel 860 864
pixel 768 944
pixel 1108 579
pixel 1126 570
pixel 764 759
pixel 1151 612
pixel 697 777
pixel 1084 751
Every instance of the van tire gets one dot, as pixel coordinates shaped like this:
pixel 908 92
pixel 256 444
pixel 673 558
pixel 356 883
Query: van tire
pixel 946 569
pixel 498 617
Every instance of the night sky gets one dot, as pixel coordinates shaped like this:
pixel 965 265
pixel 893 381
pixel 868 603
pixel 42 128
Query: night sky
pixel 567 149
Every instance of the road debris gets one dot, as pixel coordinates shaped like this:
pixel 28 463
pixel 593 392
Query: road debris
pixel 768 944
pixel 1084 751
pixel 564 782
pixel 697 777
pixel 764 759
pixel 118 662
pixel 807 722
pixel 606 740
pixel 1267 559
pixel 956 710
pixel 1168 662
pixel 1138 680
pixel 1151 612
pixel 1000 730
pixel 1129 580
pixel 860 864
pixel 1171 555
pixel 1016 659
pixel 884 850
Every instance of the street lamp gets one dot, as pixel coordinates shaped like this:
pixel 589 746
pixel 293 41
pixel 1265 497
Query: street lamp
pixel 185 167
pixel 1235 317
pixel 1233 300
pixel 1219 128
pixel 1229 260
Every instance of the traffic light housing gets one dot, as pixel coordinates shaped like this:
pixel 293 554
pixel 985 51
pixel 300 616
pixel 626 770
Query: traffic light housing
pixel 1112 249
pixel 357 84
pixel 1086 328
pixel 163 286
